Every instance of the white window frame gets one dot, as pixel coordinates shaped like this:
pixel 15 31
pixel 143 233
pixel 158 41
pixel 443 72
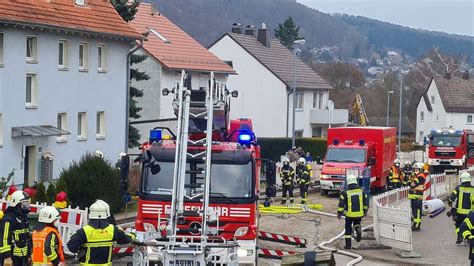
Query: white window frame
pixel 64 53
pixel 85 56
pixel 2 45
pixel 1 130
pixel 62 123
pixel 100 125
pixel 422 116
pixel 469 122
pixel 432 100
pixel 82 126
pixel 33 58
pixel 33 103
pixel 102 56
pixel 299 100
pixel 299 133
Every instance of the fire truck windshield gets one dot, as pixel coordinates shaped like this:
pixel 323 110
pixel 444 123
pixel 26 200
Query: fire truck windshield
pixel 227 180
pixel 343 155
pixel 446 141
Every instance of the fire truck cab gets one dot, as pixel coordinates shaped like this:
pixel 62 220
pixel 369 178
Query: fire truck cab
pixel 447 149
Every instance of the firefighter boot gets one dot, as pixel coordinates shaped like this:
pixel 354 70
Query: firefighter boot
pixel 358 233
pixel 283 201
pixel 459 240
pixel 348 243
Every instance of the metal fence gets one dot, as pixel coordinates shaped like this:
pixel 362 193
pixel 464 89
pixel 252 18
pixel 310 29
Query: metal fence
pixel 392 219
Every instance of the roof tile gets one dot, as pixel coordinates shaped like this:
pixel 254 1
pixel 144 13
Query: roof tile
pixel 457 94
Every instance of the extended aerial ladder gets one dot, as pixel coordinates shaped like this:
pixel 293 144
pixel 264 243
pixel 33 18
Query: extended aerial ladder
pixel 202 112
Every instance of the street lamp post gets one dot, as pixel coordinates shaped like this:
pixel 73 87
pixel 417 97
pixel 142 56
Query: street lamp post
pixel 293 140
pixel 400 114
pixel 388 106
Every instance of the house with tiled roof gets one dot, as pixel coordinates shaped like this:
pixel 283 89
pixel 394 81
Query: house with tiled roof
pixel 447 102
pixel 169 50
pixel 265 80
pixel 63 84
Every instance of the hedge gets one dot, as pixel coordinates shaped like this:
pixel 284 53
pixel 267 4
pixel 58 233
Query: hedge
pixel 273 148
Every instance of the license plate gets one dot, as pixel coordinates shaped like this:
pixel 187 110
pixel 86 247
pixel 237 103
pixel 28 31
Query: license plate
pixel 184 263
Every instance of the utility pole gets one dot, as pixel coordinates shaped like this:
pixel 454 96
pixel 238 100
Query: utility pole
pixel 400 114
pixel 388 106
pixel 293 139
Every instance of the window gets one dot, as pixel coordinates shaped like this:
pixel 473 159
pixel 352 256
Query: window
pixel 102 58
pixel 1 48
pixel 299 100
pixel 31 91
pixel 318 100
pixel 321 100
pixel 80 2
pixel 1 130
pixel 437 118
pixel 298 133
pixel 63 56
pixel 100 125
pixel 421 136
pixel 82 126
pixel 469 119
pixel 31 49
pixel 432 99
pixel 83 56
pixel 62 124
pixel 422 116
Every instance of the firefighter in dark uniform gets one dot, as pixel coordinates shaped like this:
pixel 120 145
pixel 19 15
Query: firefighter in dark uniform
pixel 395 176
pixel 16 243
pixel 461 202
pixel 287 176
pixel 303 179
pixel 417 186
pixel 407 173
pixel 94 242
pixel 467 232
pixel 354 202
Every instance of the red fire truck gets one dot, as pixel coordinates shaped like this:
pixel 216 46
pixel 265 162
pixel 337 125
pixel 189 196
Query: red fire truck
pixel 370 149
pixel 228 167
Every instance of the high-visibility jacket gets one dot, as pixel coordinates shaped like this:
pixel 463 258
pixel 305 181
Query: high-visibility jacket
pixel 287 175
pixel 354 201
pixel 15 234
pixel 462 196
pixel 396 174
pixel 467 231
pixel 94 242
pixel 303 174
pixel 47 246
pixel 416 191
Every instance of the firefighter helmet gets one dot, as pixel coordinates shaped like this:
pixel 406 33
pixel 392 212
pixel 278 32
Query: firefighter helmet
pixel 465 177
pixel 407 163
pixel 351 179
pixel 302 160
pixel 105 204
pixel 416 166
pixel 18 197
pixel 48 215
pixel 98 210
pixel 286 160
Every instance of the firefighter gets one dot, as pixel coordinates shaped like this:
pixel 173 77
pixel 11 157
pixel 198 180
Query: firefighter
pixel 303 179
pixel 395 176
pixel 47 244
pixel 354 202
pixel 287 176
pixel 417 185
pixel 461 202
pixel 94 242
pixel 15 231
pixel 467 232
pixel 407 173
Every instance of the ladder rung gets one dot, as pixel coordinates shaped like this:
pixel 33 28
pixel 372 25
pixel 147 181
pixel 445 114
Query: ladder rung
pixel 198 171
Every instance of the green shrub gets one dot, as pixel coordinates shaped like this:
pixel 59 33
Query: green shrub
pixel 51 192
pixel 61 186
pixel 92 178
pixel 40 194
pixel 273 148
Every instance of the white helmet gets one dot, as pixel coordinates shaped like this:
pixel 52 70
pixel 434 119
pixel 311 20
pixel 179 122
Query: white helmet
pixel 48 215
pixel 351 179
pixel 17 197
pixel 98 210
pixel 122 154
pixel 286 160
pixel 396 161
pixel 105 204
pixel 407 163
pixel 302 160
pixel 465 177
pixel 99 154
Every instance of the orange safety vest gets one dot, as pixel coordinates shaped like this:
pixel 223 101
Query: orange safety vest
pixel 396 174
pixel 39 239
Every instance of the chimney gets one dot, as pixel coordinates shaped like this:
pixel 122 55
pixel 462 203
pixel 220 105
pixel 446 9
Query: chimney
pixel 465 75
pixel 447 75
pixel 262 35
pixel 237 28
pixel 250 30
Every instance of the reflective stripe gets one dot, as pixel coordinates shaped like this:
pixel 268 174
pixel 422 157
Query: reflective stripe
pixel 6 247
pixel 98 238
pixel 350 211
pixel 464 192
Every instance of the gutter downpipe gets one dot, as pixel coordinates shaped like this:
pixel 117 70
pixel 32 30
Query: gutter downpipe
pixel 127 102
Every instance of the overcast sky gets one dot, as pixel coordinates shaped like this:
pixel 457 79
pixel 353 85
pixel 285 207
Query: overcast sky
pixel 451 16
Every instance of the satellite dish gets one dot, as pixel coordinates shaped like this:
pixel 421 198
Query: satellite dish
pixel 330 105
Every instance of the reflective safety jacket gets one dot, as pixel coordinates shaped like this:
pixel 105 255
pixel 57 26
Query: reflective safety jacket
pixel 47 246
pixel 467 231
pixel 354 201
pixel 416 190
pixel 94 242
pixel 15 234
pixel 303 174
pixel 287 175
pixel 462 197
pixel 396 174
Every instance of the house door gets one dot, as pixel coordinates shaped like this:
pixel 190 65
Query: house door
pixel 30 165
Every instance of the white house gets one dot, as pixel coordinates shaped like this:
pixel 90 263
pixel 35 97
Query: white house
pixel 62 84
pixel 170 50
pixel 447 101
pixel 265 78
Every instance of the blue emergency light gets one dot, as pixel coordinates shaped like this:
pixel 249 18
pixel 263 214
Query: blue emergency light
pixel 361 142
pixel 155 135
pixel 335 142
pixel 244 137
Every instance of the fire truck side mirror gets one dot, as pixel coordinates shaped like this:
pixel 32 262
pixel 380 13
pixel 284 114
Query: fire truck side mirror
pixel 235 93
pixel 155 168
pixel 270 173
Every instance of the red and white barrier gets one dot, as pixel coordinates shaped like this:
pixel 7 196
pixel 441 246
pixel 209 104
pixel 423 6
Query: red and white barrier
pixel 290 240
pixel 123 251
pixel 273 253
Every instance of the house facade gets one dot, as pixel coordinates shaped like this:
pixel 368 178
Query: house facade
pixel 447 102
pixel 62 85
pixel 169 51
pixel 265 78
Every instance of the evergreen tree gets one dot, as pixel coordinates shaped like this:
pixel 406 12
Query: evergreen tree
pixel 40 194
pixel 127 11
pixel 51 193
pixel 287 32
